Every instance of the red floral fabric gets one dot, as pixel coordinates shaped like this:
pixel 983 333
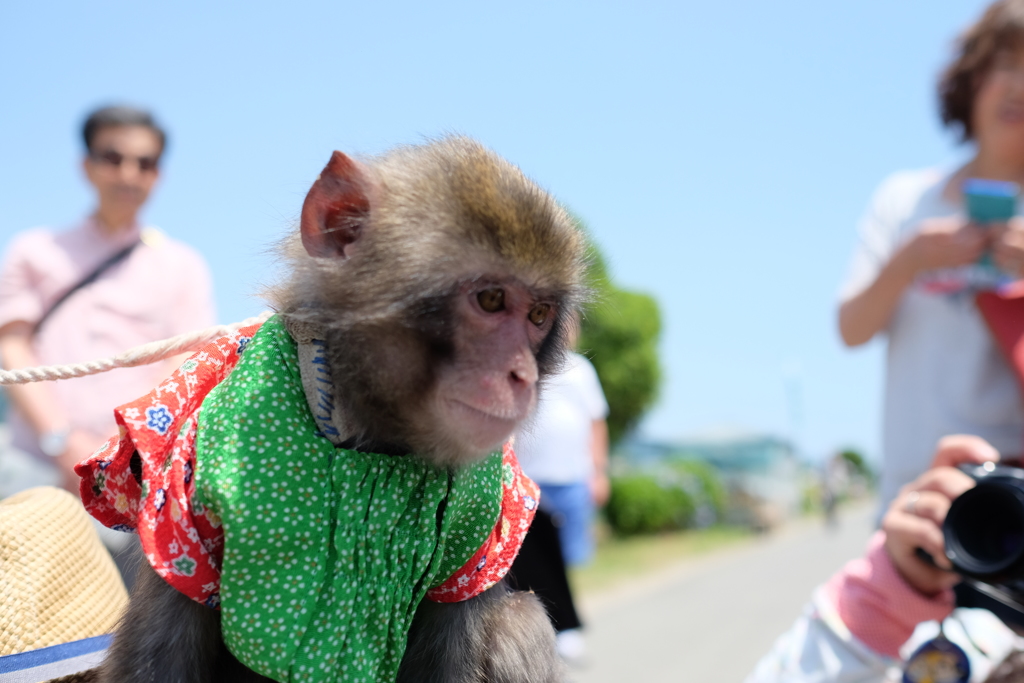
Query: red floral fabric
pixel 495 557
pixel 182 539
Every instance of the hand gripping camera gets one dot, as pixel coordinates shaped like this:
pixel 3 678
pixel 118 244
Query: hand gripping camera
pixel 984 535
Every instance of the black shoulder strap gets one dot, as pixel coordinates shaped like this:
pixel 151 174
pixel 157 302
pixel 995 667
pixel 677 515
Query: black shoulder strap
pixel 86 281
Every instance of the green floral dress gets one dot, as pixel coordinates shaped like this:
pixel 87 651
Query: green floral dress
pixel 317 556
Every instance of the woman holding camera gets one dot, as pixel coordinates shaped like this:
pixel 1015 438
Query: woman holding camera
pixel 866 624
pixel 914 272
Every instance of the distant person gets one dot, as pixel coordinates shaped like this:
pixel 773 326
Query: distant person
pixel 834 482
pixel 914 272
pixel 871 622
pixel 565 451
pixel 93 290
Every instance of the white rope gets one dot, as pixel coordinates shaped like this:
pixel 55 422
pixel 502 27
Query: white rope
pixel 140 355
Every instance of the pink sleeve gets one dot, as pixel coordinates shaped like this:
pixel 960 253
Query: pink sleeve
pixel 878 606
pixel 20 299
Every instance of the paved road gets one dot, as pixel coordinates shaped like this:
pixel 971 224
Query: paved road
pixel 710 620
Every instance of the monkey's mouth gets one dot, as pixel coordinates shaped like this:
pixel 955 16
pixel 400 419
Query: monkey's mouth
pixel 509 418
pixel 480 430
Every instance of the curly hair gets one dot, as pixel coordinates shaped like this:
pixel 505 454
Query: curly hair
pixel 1001 28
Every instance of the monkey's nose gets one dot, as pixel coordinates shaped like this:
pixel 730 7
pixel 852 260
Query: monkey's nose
pixel 524 371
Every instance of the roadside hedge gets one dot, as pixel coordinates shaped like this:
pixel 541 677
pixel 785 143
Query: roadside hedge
pixel 641 504
pixel 676 495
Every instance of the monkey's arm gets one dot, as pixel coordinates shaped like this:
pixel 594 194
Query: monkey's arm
pixel 500 636
pixel 163 636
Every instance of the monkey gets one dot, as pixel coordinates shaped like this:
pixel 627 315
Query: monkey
pixel 427 294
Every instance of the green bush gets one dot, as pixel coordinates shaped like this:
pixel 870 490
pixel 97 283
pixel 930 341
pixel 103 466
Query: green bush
pixel 811 498
pixel 702 482
pixel 641 504
pixel 859 464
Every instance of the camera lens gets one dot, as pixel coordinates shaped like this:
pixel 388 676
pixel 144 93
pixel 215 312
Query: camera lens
pixel 984 530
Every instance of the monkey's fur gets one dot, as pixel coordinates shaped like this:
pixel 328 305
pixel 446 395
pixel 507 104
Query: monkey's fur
pixel 396 259
pixel 442 215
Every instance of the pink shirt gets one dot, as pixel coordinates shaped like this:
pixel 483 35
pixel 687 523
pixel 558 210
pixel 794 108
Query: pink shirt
pixel 162 289
pixel 878 606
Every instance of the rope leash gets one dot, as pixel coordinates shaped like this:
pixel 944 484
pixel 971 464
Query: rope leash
pixel 140 355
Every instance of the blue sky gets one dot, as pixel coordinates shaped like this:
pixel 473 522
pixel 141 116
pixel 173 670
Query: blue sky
pixel 721 153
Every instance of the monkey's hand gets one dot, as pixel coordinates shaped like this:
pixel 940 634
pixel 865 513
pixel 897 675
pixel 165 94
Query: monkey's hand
pixel 500 636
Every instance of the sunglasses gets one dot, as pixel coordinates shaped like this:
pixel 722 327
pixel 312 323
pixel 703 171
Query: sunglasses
pixel 114 159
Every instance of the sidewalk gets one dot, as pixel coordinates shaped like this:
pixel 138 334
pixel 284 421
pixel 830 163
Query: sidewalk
pixel 712 618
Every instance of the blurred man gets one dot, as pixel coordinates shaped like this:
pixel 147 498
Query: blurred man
pixel 91 291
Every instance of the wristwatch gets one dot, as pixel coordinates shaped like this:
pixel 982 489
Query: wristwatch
pixel 54 443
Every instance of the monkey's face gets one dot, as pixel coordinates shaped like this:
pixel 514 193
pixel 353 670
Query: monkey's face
pixel 450 375
pixel 443 278
pixel 489 385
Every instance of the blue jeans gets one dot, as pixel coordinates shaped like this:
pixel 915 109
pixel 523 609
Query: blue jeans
pixel 572 509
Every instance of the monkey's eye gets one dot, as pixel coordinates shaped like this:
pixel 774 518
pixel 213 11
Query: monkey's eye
pixel 539 314
pixel 492 300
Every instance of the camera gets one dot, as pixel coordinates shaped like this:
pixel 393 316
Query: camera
pixel 984 535
pixel 984 528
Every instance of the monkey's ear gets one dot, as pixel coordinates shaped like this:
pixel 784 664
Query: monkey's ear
pixel 336 208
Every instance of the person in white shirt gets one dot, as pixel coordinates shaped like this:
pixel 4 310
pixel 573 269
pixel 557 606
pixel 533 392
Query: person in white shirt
pixel 564 450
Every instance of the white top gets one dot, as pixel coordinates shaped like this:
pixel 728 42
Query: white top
pixel 555 446
pixel 944 372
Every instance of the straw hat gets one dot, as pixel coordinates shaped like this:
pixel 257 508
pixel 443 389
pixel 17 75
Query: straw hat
pixel 57 581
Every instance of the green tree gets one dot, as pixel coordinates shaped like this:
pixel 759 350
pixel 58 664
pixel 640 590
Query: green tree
pixel 858 464
pixel 620 337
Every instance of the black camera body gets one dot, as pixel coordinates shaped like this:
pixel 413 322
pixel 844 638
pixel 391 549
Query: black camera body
pixel 984 536
pixel 984 528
